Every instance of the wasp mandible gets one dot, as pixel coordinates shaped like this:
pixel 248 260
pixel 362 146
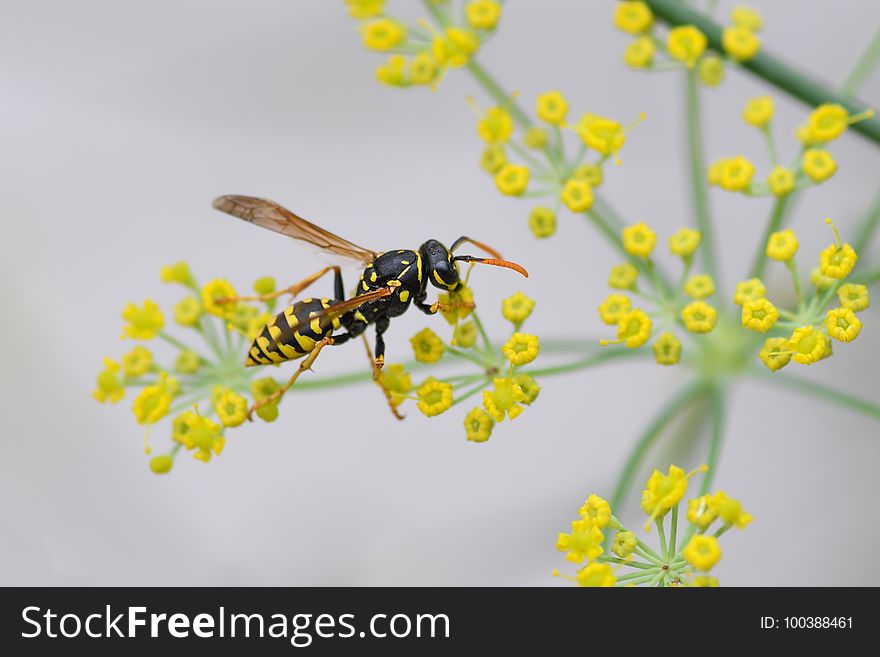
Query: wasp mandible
pixel 391 281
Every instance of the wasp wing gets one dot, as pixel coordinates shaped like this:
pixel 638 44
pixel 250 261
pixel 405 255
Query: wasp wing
pixel 268 214
pixel 339 308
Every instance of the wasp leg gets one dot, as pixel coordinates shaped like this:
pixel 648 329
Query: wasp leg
pixel 305 364
pixel 436 307
pixel 377 378
pixel 382 325
pixel 294 289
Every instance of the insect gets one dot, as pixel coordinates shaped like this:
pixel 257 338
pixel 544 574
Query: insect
pixel 391 282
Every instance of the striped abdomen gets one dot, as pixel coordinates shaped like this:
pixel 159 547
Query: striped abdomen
pixel 292 333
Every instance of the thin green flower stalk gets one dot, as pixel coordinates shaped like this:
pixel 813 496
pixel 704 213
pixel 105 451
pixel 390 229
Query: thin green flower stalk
pixel 685 553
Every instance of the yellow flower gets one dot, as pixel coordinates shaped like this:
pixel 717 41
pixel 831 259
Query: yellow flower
pixel 782 245
pixel 383 34
pixel 512 179
pixel 759 315
pixel 633 17
pixel 854 296
pixel 667 349
pixel 153 402
pixel 702 552
pixel 749 290
pixel 837 261
pixel 521 349
pixel 633 329
pixel 623 277
pixel 664 491
pixel 478 425
pixel 701 513
pixel 455 48
pixel 577 195
pixel 505 398
pixel 200 434
pixel 624 544
pixel 615 306
pixel 827 122
pixel 699 317
pixel 807 345
pixel 775 353
pixel 818 165
pixel 747 17
pixel 216 290
pixel 187 362
pixel 536 137
pixel 464 335
pixel 495 126
pixel 730 510
pixel 552 107
pixel 735 174
pixel 639 53
pixel 435 397
pixel 542 222
pixel 819 280
pixel 596 510
pixel 137 362
pixel 177 273
pixel 483 14
pixel 781 181
pixel 700 287
pixel 493 159
pixel 740 43
pixel 396 380
pixel 639 240
pixel 143 323
pixel 592 173
pixel 705 581
pixel 188 311
pixel 711 70
pixel 842 324
pixel 109 384
pixel 517 308
pixel 231 409
pixel 684 242
pixel 529 387
pixel 161 464
pixel 393 72
pixel 686 43
pixel 459 303
pixel 596 575
pixel 584 541
pixel 427 346
pixel 267 386
pixel 361 9
pixel 423 68
pixel 758 111
pixel 605 136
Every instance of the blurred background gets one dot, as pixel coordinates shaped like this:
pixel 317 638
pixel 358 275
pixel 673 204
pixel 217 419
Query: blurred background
pixel 122 121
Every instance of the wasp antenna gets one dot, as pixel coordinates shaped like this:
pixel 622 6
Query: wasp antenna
pixel 495 262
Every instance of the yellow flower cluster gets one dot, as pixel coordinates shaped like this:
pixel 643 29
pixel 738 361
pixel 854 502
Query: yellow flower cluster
pixel 509 157
pixel 686 307
pixel 421 54
pixel 813 164
pixel 685 45
pixel 683 560
pixel 804 334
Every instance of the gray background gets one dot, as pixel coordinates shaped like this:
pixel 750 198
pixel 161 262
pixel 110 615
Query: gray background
pixel 120 121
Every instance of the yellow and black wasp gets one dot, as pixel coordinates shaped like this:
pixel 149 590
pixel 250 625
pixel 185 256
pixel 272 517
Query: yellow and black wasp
pixel 391 281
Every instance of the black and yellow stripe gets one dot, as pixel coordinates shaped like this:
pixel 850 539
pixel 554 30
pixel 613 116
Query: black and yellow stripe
pixel 292 333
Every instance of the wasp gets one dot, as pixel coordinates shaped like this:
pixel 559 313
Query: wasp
pixel 391 282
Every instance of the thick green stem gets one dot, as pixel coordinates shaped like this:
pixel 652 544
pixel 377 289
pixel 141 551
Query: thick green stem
pixel 818 390
pixel 769 67
pixel 669 411
pixel 699 184
pixel 777 216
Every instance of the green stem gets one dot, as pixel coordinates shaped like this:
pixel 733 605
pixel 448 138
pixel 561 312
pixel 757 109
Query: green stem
pixel 869 277
pixel 777 215
pixel 699 185
pixel 820 391
pixel 501 97
pixel 673 531
pixel 662 533
pixel 669 410
pixel 482 330
pixel 768 66
pixel 624 562
pixel 863 67
pixel 607 354
pixel 470 393
pixel 718 420
pixel 868 226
